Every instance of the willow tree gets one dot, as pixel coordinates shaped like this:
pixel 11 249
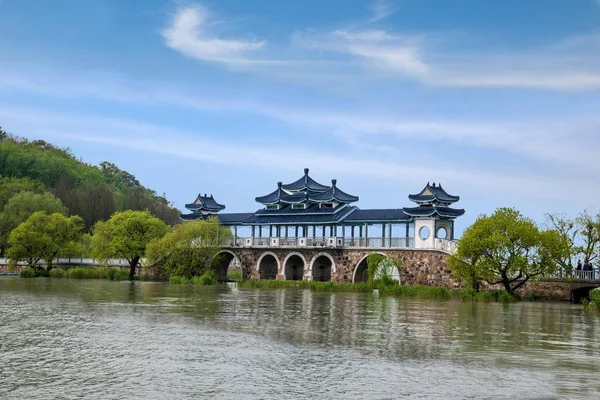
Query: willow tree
pixel 188 249
pixel 506 248
pixel 126 235
pixel 44 237
pixel 21 206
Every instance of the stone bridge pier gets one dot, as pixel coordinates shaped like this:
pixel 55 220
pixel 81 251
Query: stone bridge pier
pixel 419 267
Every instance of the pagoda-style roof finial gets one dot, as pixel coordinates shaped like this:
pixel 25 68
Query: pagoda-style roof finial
pixel 279 184
pixel 305 171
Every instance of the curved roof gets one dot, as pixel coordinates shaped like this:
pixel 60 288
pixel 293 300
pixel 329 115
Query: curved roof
pixel 378 215
pixel 205 203
pixel 333 194
pixel 305 183
pixel 433 193
pixel 427 211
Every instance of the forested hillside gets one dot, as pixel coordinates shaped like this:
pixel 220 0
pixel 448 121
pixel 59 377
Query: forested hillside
pixel 92 192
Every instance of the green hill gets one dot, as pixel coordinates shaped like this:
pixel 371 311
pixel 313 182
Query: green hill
pixel 92 192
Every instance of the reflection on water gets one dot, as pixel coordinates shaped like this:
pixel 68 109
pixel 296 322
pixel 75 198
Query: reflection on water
pixel 102 339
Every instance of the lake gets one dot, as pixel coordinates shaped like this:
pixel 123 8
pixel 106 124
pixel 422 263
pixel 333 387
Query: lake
pixel 117 340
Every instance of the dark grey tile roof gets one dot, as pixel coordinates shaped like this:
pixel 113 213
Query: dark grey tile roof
pixel 432 193
pixel 300 219
pixel 311 209
pixel 205 203
pixel 334 194
pixel 306 182
pixel 426 211
pixel 393 214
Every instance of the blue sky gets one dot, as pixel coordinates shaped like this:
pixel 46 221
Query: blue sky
pixel 497 100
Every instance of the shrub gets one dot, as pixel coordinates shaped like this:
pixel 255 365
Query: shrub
pixel 595 296
pixel 120 274
pixel 42 273
pixel 27 273
pixel 204 279
pixel 57 273
pixel 234 276
pixel 178 280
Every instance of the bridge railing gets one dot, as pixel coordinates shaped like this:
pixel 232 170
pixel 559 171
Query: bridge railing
pixel 338 242
pixel 83 261
pixel 587 275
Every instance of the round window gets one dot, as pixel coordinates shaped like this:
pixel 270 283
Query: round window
pixel 442 233
pixel 424 232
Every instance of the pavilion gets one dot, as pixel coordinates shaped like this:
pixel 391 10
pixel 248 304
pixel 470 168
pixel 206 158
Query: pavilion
pixel 305 213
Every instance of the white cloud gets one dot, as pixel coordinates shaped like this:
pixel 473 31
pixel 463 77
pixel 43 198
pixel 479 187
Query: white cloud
pixel 189 33
pixel 557 141
pixel 572 64
pixel 381 9
pixel 212 149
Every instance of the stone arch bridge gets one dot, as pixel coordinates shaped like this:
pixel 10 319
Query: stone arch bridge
pixel 419 267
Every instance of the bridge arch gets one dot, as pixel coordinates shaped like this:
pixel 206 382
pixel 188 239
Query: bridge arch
pixel 268 265
pixel 221 263
pixel 580 293
pixel 322 267
pixel 293 266
pixel 360 273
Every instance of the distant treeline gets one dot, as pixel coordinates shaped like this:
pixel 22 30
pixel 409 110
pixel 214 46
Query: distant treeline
pixel 92 192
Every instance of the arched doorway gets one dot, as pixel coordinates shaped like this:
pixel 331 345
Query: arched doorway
pixel 293 267
pixel 361 271
pixel 267 266
pixel 322 267
pixel 225 262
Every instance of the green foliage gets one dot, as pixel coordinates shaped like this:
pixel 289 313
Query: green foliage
pixel 506 248
pixel 385 289
pixel 595 297
pixel 188 249
pixel 94 193
pixel 27 273
pixel 10 186
pixel 382 268
pixel 581 236
pixel 126 234
pixel 112 274
pixel 207 278
pixel 57 273
pixel 43 237
pixel 234 276
pixel 21 206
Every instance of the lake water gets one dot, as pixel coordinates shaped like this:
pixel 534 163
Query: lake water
pixel 117 340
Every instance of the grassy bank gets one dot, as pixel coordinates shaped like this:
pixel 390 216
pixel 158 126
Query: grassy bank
pixel 81 273
pixel 420 292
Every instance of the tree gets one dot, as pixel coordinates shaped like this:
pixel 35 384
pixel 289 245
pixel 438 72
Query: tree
pixel 11 186
pixel 188 249
pixel 43 237
pixel 506 248
pixel 21 206
pixel 126 234
pixel 581 234
pixel 589 232
pixel 383 268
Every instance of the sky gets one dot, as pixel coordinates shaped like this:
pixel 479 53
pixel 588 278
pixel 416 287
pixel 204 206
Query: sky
pixel 497 100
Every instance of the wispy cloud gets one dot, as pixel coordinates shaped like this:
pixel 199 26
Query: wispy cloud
pixel 189 32
pixel 569 142
pixel 203 147
pixel 381 9
pixel 572 64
